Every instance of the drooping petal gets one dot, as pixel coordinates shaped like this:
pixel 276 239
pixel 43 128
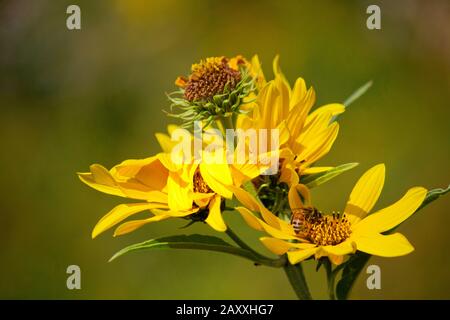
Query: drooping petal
pixel 269 218
pixel 244 172
pixel 245 198
pixel 260 225
pixel 217 177
pixel 391 216
pixel 251 220
pixel 120 213
pixel 203 199
pixel 280 247
pixel 130 226
pixel 215 219
pixel 101 180
pixel 304 192
pixel 365 194
pixel 289 175
pixel 340 249
pixel 297 256
pixel 294 199
pixel 180 193
pixel 393 245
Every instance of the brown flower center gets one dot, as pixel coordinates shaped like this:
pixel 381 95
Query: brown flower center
pixel 200 185
pixel 322 230
pixel 209 77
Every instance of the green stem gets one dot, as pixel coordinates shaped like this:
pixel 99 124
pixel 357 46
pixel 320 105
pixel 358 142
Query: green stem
pixel 298 282
pixel 331 276
pixel 227 123
pixel 238 240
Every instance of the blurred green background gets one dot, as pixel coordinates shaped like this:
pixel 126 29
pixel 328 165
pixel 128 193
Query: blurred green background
pixel 72 98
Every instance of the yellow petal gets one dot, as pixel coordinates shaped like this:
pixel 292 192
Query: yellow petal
pixel 272 224
pixel 297 256
pixel 283 134
pixel 294 199
pixel 286 232
pixel 289 175
pixel 175 214
pixel 298 92
pixel 280 247
pixel 251 220
pixel 304 191
pixel 365 194
pixel 340 249
pixel 393 245
pixel 130 226
pixel 215 219
pixel 142 174
pixel 244 172
pixel 297 115
pixel 320 145
pixel 218 178
pixel 165 142
pixel 333 109
pixel 245 198
pixel 389 217
pixel 314 170
pixel 171 128
pixel 337 260
pixel 101 180
pixel 166 161
pixel 120 213
pixel 257 72
pixel 180 193
pixel 202 199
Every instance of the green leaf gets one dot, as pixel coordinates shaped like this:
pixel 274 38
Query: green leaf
pixel 317 179
pixel 358 93
pixel 197 242
pixel 194 241
pixel 354 96
pixel 433 195
pixel 350 273
pixel 353 267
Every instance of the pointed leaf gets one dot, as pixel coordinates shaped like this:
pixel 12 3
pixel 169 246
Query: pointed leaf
pixel 317 179
pixel 198 242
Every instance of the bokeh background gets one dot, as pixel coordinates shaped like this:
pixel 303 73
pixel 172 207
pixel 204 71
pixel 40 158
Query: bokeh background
pixel 72 98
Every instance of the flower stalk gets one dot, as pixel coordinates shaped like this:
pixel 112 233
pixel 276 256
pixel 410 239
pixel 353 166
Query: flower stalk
pixel 297 280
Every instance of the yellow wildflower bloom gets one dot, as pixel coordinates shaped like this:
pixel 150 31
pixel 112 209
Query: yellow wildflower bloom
pixel 334 236
pixel 304 137
pixel 190 189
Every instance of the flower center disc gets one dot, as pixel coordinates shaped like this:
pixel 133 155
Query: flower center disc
pixel 322 230
pixel 200 185
pixel 209 77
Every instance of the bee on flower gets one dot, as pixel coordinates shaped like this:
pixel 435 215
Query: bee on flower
pixel 312 234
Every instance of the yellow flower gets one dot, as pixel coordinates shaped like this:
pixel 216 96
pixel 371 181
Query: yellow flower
pixel 192 190
pixel 310 233
pixel 304 137
pixel 142 179
pixel 216 88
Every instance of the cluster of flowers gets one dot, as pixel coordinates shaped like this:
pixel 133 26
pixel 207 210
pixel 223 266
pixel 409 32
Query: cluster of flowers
pixel 233 93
